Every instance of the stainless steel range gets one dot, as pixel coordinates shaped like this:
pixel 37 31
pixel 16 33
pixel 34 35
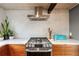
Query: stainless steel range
pixel 38 46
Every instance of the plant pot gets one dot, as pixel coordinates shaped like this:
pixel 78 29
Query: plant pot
pixel 6 37
pixel 11 37
pixel 1 38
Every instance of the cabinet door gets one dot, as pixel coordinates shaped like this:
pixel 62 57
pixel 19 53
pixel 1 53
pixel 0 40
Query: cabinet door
pixel 4 51
pixel 71 50
pixel 57 50
pixel 17 50
pixel 65 50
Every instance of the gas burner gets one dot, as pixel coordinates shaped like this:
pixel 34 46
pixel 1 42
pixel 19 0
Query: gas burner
pixel 38 44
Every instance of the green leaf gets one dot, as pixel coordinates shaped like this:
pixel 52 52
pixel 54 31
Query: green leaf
pixel 5 28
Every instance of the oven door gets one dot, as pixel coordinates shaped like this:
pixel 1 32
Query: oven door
pixel 38 45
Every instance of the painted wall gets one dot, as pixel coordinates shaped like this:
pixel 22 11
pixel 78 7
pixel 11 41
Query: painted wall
pixel 74 22
pixel 24 28
pixel 2 15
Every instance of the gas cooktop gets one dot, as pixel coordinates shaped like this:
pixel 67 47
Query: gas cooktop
pixel 38 44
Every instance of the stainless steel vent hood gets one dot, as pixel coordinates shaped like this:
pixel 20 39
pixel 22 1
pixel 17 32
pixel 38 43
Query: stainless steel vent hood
pixel 38 15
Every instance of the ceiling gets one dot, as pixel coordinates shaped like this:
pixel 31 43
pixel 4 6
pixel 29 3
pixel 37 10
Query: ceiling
pixel 8 6
pixel 65 5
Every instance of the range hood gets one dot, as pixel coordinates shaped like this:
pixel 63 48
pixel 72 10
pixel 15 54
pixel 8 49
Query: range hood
pixel 38 15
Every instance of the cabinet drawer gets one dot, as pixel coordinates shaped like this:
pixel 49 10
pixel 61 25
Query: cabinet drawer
pixel 65 50
pixel 17 50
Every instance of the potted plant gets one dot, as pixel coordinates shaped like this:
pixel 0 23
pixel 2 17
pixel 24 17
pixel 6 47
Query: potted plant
pixel 5 29
pixel 11 34
pixel 1 36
